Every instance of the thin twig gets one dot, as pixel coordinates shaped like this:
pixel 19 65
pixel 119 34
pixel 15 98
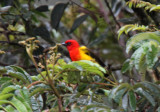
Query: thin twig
pixel 84 8
pixel 11 43
pixel 34 83
pixel 103 11
pixel 104 84
pixel 107 4
pixel 109 81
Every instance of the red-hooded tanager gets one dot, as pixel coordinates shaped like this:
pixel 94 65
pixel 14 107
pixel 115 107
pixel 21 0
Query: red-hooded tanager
pixel 78 52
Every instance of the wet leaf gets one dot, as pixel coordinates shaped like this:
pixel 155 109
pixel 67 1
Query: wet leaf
pixel 132 100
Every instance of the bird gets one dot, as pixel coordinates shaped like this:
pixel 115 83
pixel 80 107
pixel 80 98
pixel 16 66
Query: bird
pixel 78 52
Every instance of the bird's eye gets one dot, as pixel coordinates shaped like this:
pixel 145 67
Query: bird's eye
pixel 68 43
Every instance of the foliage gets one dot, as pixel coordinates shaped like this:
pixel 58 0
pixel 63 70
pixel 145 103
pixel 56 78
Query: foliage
pixel 36 75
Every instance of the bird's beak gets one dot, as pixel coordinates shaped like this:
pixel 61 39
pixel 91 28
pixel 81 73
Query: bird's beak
pixel 64 44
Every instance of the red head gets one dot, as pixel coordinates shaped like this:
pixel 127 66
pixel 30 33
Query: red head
pixel 73 48
pixel 71 44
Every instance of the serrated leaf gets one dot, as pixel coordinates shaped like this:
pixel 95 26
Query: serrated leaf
pixel 10 89
pixel 19 105
pixel 140 37
pixel 21 70
pixel 155 8
pixel 94 64
pixel 78 21
pixel 123 29
pixel 4 79
pixel 5 96
pixel 25 102
pixel 132 100
pixel 9 108
pixel 18 73
pixel 56 14
pixel 38 89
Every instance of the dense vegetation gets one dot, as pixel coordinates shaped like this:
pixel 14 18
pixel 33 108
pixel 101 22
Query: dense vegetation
pixel 37 75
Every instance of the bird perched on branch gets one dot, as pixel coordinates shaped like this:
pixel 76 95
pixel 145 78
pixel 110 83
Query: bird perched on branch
pixel 78 52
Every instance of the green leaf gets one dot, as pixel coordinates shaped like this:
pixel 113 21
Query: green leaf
pixel 4 102
pixel 86 67
pixel 5 96
pixel 18 73
pixel 4 79
pixel 21 70
pixel 39 88
pixel 6 84
pixel 138 56
pixel 118 91
pixel 153 88
pixel 123 29
pixel 146 95
pixel 76 110
pixel 56 14
pixel 9 108
pixel 140 37
pixel 95 64
pixel 155 8
pixel 125 101
pixel 77 66
pixel 19 105
pixel 132 100
pixel 10 89
pixel 152 56
pixel 126 66
pixel 25 102
pixel 119 94
pixel 24 93
pixel 78 22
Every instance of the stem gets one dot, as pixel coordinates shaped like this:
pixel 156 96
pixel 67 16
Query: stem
pixel 104 84
pixel 46 68
pixel 34 83
pixel 110 81
pixel 32 58
pixel 60 104
pixel 114 78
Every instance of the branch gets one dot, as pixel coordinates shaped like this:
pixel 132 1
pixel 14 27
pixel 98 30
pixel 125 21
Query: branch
pixel 107 4
pixel 11 43
pixel 103 11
